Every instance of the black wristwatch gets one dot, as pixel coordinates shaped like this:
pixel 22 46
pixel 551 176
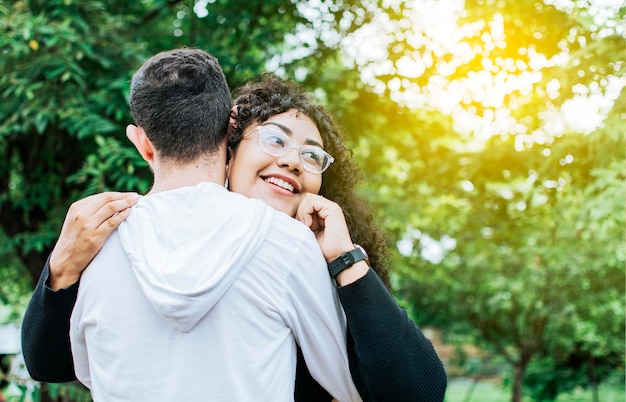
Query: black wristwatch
pixel 346 260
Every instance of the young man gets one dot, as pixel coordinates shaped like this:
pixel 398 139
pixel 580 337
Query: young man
pixel 201 293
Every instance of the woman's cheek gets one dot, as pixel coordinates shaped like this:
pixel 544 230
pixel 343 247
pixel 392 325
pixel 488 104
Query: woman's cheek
pixel 313 184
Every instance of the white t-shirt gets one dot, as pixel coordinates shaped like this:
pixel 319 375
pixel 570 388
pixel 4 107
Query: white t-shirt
pixel 201 295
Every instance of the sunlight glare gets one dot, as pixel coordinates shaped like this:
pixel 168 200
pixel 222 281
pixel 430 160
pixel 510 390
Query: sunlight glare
pixel 500 86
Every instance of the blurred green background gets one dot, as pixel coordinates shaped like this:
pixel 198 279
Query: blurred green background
pixel 490 134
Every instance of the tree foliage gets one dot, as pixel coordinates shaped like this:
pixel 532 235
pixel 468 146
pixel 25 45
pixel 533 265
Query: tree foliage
pixel 519 240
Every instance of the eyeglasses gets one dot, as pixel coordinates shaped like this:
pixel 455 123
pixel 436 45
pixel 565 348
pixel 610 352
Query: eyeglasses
pixel 276 143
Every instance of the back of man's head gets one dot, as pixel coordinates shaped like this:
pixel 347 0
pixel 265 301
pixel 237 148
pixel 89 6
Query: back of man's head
pixel 181 100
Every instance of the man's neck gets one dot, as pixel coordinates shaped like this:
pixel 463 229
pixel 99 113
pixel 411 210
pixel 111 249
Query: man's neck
pixel 173 176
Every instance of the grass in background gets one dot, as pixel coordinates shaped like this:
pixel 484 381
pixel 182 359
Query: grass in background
pixel 485 391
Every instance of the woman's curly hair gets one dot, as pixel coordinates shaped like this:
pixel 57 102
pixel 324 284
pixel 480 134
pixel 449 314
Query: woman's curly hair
pixel 256 102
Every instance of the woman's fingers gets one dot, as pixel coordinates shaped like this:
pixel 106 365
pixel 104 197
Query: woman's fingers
pixel 87 225
pixel 311 211
pixel 326 219
pixel 112 210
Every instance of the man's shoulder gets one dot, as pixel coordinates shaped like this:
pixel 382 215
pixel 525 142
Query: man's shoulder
pixel 284 224
pixel 281 222
pixel 292 243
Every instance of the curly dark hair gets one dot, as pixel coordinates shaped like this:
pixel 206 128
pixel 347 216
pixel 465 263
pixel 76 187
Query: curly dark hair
pixel 257 101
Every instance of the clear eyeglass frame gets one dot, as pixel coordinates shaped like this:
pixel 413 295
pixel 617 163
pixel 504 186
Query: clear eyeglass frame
pixel 276 143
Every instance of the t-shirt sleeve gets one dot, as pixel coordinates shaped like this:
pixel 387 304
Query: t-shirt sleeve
pixel 391 357
pixel 307 389
pixel 316 318
pixel 45 332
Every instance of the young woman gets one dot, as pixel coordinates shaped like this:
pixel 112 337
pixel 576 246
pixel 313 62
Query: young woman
pixel 281 145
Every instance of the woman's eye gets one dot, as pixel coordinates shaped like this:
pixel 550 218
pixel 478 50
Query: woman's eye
pixel 312 155
pixel 275 140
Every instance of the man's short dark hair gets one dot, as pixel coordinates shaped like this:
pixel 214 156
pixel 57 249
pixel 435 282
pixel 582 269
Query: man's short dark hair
pixel 182 101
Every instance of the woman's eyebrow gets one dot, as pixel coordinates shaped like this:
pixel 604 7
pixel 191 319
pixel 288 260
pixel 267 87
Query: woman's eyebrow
pixel 288 131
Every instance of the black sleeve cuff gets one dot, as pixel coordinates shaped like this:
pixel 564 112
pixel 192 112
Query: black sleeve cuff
pixel 45 332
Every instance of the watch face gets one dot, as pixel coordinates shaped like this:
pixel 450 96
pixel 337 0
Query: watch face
pixel 347 259
pixel 367 258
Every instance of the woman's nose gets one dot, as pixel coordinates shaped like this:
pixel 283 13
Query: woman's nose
pixel 291 160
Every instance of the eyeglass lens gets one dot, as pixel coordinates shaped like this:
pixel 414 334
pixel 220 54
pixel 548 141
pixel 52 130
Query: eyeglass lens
pixel 277 143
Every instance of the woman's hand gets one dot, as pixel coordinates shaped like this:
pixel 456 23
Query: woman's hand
pixel 326 220
pixel 87 225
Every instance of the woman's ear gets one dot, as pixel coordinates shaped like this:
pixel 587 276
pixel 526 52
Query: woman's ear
pixel 232 121
pixel 232 125
pixel 138 137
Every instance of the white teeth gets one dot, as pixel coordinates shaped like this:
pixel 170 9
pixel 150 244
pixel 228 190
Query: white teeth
pixel 280 183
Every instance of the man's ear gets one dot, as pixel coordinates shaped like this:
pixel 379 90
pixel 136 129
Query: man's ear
pixel 138 137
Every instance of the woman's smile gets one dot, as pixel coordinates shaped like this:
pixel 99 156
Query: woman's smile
pixel 283 183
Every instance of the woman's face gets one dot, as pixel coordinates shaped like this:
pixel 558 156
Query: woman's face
pixel 279 181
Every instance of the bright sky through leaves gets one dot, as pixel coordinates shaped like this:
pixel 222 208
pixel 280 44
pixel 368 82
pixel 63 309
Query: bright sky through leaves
pixel 435 22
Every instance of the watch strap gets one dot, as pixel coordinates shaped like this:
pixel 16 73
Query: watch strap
pixel 346 260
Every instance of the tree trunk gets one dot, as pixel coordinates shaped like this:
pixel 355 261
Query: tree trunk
pixel 520 367
pixel 45 394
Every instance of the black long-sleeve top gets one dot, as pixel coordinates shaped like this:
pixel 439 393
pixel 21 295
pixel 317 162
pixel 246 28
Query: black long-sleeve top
pixel 390 359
